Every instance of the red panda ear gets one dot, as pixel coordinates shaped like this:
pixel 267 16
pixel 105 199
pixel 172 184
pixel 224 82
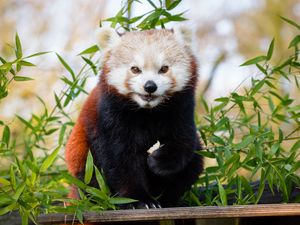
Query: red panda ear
pixel 107 37
pixel 183 34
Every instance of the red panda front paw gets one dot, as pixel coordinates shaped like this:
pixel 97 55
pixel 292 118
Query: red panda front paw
pixel 158 166
pixel 142 205
pixel 147 205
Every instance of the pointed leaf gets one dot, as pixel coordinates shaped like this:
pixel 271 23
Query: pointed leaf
pixel 270 50
pixel 120 200
pixel 290 22
pixel 90 50
pixel 254 60
pixel 222 193
pixel 19 78
pixel 19 52
pixel 63 62
pixel 89 168
pixel 49 160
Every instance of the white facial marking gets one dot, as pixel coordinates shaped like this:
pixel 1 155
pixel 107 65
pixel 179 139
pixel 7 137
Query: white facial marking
pixel 149 51
pixel 116 79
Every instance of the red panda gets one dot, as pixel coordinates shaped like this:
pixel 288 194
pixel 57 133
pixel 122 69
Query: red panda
pixel 146 94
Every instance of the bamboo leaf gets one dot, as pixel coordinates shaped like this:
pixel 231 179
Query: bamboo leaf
pixel 101 181
pixel 270 50
pixel 290 22
pixel 295 41
pixel 49 160
pixel 96 192
pixel 254 60
pixel 19 52
pixel 90 50
pixel 89 166
pixel 8 208
pixel 19 78
pixel 6 135
pixel 68 68
pixel 62 134
pixel 222 193
pixel 26 63
pixel 119 200
pixel 36 54
pixel 172 4
pixel 245 142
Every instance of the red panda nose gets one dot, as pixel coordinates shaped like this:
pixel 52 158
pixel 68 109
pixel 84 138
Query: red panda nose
pixel 150 86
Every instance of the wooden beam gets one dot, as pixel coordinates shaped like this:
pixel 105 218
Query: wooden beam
pixel 178 213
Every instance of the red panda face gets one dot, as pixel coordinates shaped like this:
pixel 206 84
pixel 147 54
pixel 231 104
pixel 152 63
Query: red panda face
pixel 147 66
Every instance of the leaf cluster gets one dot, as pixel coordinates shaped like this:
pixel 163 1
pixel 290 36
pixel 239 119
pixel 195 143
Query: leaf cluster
pixel 253 134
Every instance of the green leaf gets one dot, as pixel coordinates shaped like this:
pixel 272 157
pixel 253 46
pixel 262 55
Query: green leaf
pixel 270 50
pixel 4 182
pixel 222 193
pixel 90 50
pixel 172 4
pixel 36 54
pixel 254 60
pixel 91 64
pixel 262 69
pixel 68 68
pixel 6 135
pixel 89 166
pixel 19 191
pixel 206 154
pixel 72 180
pixel 13 181
pixel 19 53
pixel 295 41
pixel 245 142
pixel 25 63
pixel 234 159
pixel 261 186
pixel 21 168
pixel 151 3
pixel 120 200
pixel 24 219
pixel 8 208
pixel 49 160
pixel 274 149
pixel 257 87
pixel 57 100
pixel 79 216
pixel 62 134
pixel 96 192
pixel 223 99
pixel 135 19
pixel 295 147
pixel 6 66
pixel 101 181
pixel 217 140
pixel 290 22
pixel 25 122
pixel 19 78
pixel 212 169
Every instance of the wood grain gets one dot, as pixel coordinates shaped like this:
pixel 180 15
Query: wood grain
pixel 267 210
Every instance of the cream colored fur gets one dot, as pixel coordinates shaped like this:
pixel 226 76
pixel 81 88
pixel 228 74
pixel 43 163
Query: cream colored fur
pixel 149 51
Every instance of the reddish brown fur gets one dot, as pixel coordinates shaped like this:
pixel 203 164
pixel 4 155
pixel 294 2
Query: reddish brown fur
pixel 77 146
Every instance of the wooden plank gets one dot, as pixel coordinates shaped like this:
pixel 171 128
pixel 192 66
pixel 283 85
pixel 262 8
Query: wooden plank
pixel 179 213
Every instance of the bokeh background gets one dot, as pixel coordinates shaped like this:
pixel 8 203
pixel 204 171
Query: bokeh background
pixel 228 33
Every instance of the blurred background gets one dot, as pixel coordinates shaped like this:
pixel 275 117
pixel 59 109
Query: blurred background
pixel 228 33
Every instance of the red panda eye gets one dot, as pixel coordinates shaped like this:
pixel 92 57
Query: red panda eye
pixel 163 69
pixel 135 70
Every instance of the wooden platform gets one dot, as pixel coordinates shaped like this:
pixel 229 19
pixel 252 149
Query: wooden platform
pixel 289 213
